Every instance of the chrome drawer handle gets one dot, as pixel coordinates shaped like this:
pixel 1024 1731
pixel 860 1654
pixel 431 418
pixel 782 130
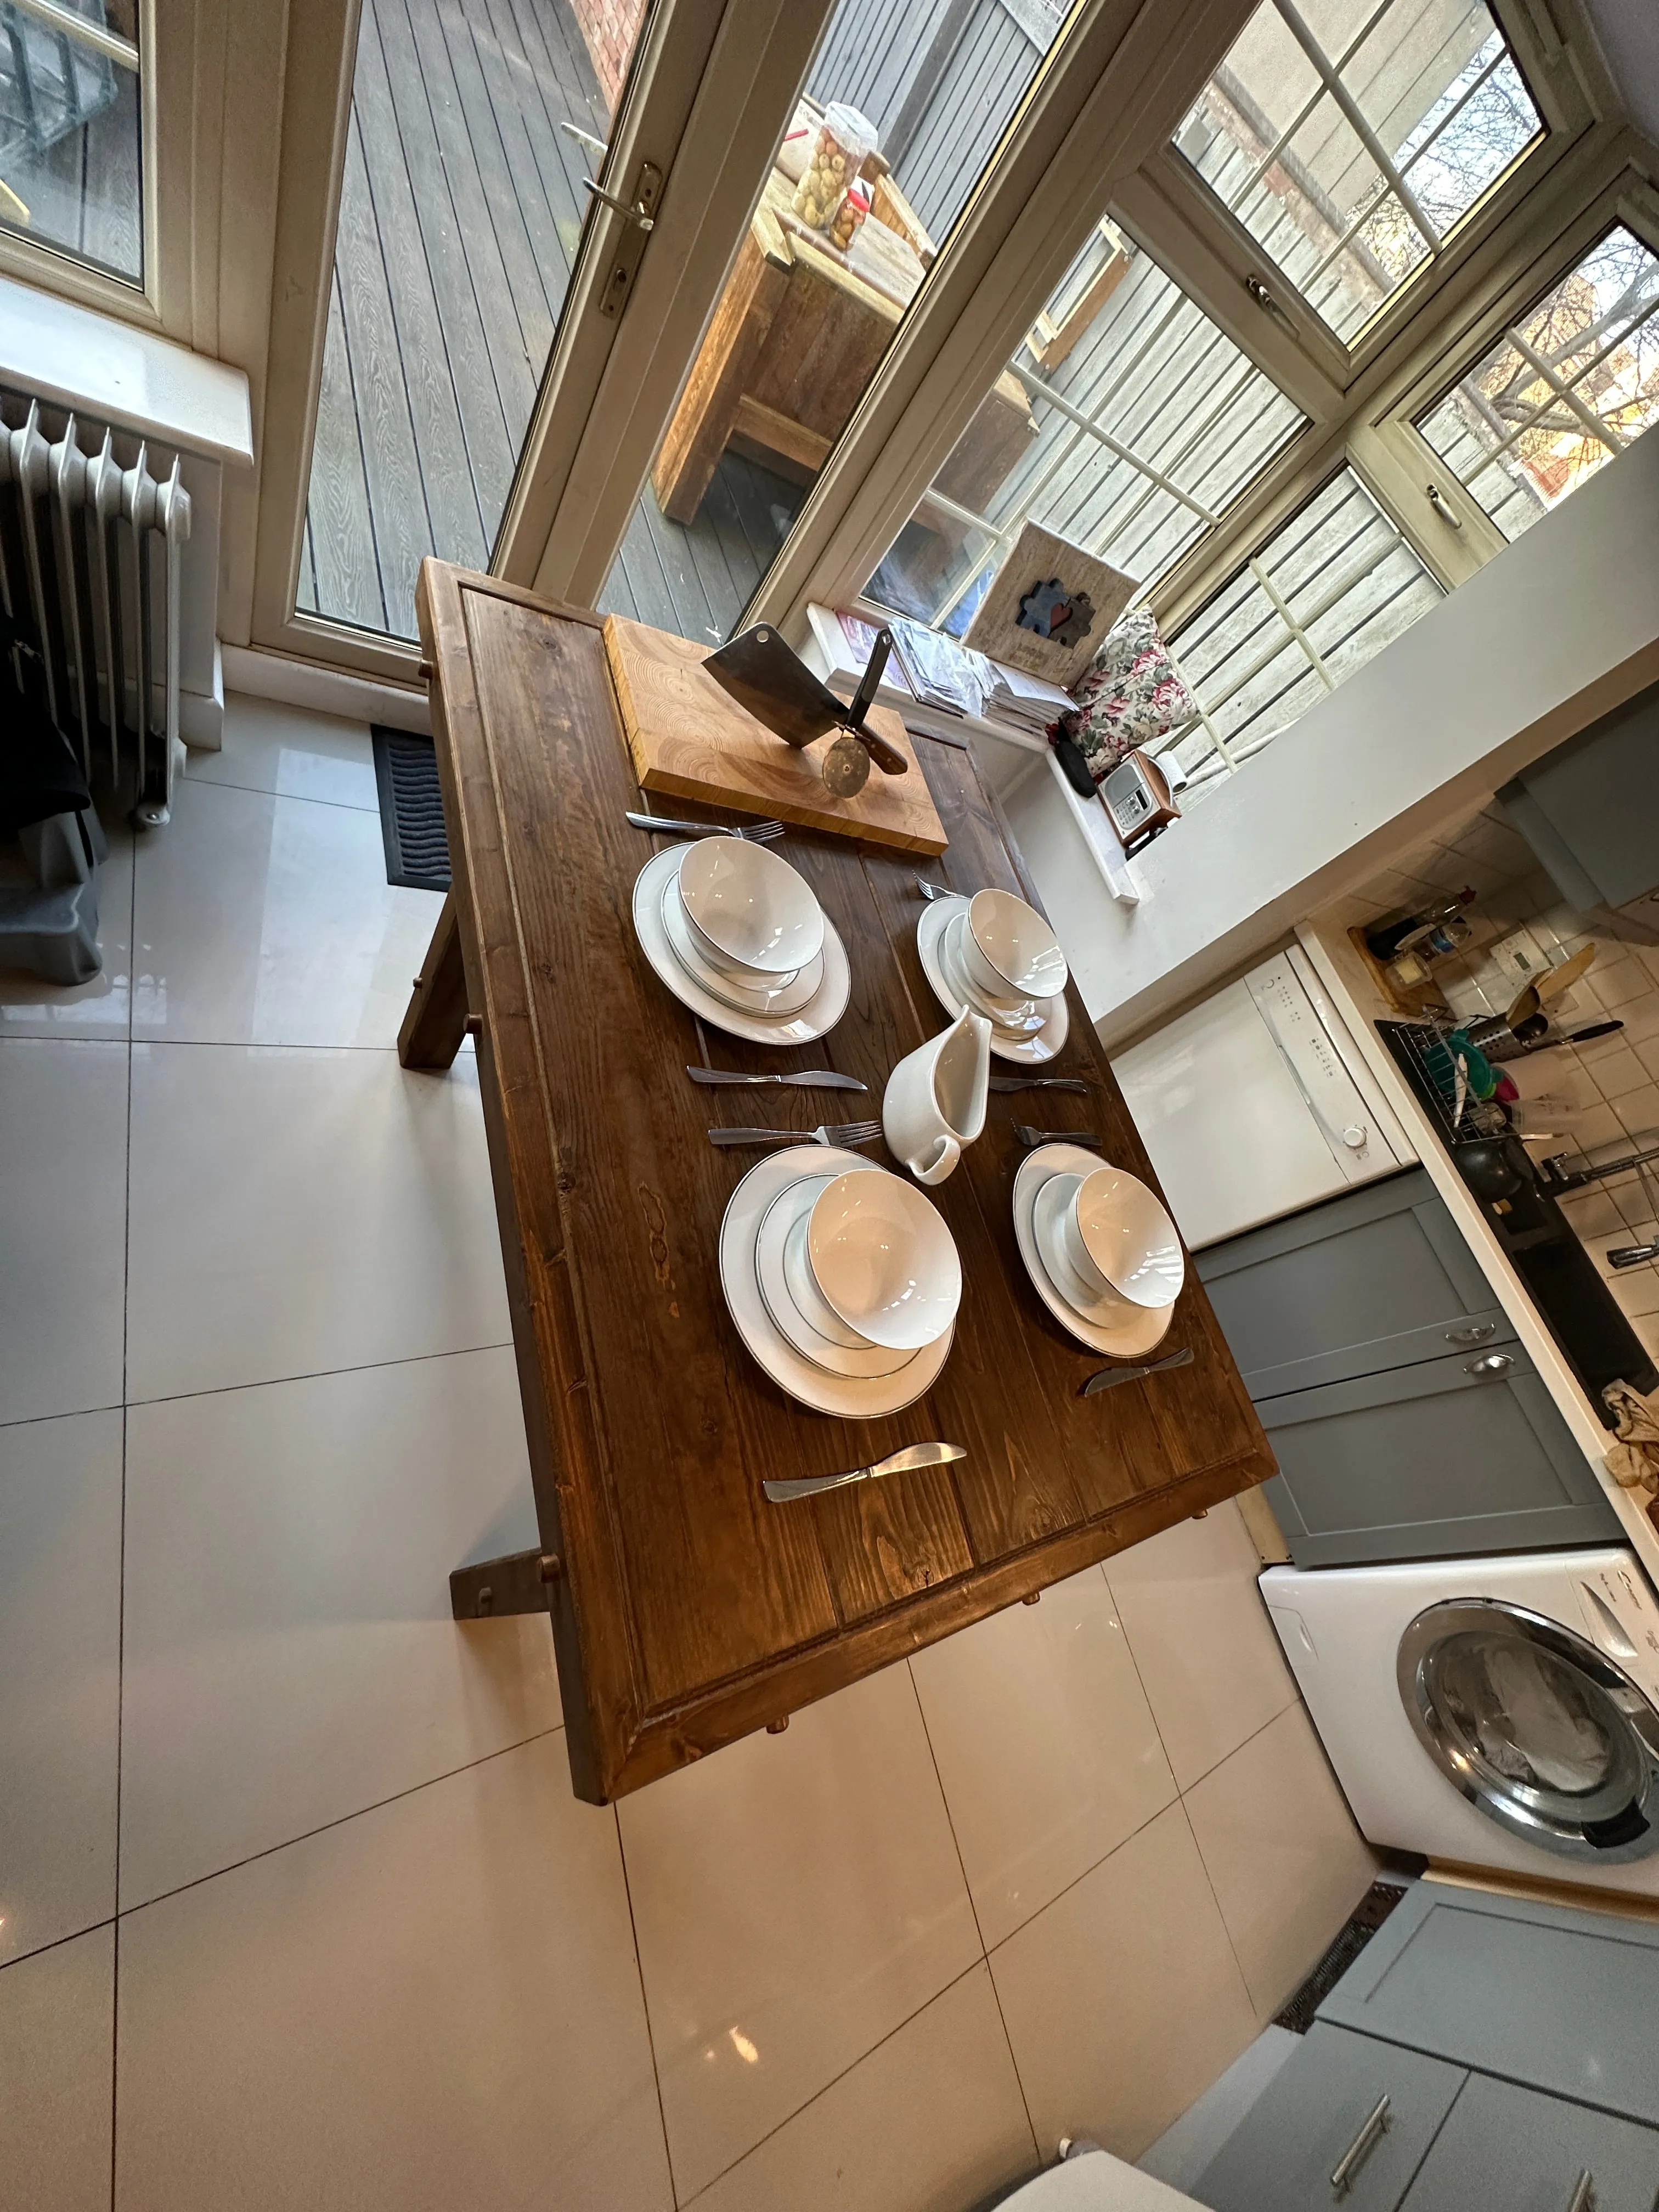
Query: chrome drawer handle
pixel 1582 2198
pixel 1372 2134
pixel 1495 1363
pixel 1477 1334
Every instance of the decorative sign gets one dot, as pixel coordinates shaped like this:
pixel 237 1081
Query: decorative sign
pixel 1049 606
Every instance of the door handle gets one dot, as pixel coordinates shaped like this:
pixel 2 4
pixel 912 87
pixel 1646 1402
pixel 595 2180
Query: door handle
pixel 1495 1363
pixel 1372 2130
pixel 1477 1334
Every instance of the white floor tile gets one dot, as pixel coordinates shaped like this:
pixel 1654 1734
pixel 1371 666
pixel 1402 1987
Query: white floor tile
pixel 290 1655
pixel 101 1006
pixel 262 919
pixel 931 2121
pixel 294 1212
pixel 57 2076
pixel 796 1897
pixel 62 1192
pixel 1045 1744
pixel 1123 2000
pixel 1285 1859
pixel 60 1634
pixel 291 750
pixel 1207 1654
pixel 431 2006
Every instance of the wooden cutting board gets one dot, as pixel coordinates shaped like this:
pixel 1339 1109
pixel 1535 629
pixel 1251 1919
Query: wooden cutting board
pixel 690 739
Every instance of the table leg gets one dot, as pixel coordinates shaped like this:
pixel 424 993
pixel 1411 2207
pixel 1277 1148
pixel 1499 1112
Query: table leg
pixel 436 1020
pixel 518 1583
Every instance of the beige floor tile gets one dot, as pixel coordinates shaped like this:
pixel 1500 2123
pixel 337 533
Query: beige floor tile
pixel 1123 1999
pixel 796 1897
pixel 1207 1651
pixel 60 1638
pixel 288 1559
pixel 1045 1743
pixel 263 919
pixel 1285 1858
pixel 931 2121
pixel 294 1212
pixel 101 1006
pixel 291 750
pixel 56 2076
pixel 431 2006
pixel 63 1202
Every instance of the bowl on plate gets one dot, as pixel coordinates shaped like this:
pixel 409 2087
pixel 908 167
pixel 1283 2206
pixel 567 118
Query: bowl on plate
pixel 1117 1237
pixel 749 914
pixel 1008 952
pixel 879 1256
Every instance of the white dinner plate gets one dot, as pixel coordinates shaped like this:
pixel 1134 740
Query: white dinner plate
pixel 857 1359
pixel 820 1013
pixel 1024 1051
pixel 777 997
pixel 851 1397
pixel 1122 1339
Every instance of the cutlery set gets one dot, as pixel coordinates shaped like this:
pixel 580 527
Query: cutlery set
pixel 841 1275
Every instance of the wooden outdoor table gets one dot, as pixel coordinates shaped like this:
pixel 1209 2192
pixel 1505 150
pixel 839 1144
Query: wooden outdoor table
pixel 686 1610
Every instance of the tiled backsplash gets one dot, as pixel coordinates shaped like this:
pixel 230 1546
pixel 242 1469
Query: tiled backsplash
pixel 1603 1096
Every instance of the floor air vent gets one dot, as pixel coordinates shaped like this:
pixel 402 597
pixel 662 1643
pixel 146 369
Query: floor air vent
pixel 411 811
pixel 1361 1924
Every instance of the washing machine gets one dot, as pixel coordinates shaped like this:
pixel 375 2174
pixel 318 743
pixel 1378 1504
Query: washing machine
pixel 1502 1713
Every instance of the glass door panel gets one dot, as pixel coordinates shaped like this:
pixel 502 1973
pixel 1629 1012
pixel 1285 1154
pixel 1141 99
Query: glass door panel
pixel 70 163
pixel 1349 138
pixel 808 313
pixel 473 124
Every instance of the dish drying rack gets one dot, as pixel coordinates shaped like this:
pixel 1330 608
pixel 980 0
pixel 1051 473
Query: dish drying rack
pixel 1430 1066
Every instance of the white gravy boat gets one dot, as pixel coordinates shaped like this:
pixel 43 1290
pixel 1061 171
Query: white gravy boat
pixel 934 1102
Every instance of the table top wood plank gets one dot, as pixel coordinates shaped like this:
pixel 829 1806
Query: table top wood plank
pixel 689 1609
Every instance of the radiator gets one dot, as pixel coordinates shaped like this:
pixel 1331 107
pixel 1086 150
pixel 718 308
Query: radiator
pixel 92 526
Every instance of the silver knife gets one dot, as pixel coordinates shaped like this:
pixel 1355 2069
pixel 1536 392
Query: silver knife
pixel 899 1462
pixel 812 1078
pixel 1038 1083
pixel 677 829
pixel 1110 1377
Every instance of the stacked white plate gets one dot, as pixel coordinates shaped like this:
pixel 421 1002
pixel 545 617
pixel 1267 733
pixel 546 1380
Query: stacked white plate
pixel 739 938
pixel 1027 1012
pixel 811 1224
pixel 1138 1268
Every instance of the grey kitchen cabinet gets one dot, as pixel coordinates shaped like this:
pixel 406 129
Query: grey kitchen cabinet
pixel 1509 2147
pixel 1407 1419
pixel 1342 2097
pixel 1374 1280
pixel 1467 1454
pixel 1559 2000
pixel 1517 2046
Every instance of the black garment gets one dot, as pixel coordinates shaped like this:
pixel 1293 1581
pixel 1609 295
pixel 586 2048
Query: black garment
pixel 40 772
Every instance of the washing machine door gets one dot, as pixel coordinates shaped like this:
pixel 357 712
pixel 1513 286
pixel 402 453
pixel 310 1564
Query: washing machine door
pixel 1538 1729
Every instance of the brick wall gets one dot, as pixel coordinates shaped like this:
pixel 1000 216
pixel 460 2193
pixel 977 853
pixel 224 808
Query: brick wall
pixel 609 28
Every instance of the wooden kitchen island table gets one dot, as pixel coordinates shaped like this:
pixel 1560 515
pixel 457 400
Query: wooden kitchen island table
pixel 687 1610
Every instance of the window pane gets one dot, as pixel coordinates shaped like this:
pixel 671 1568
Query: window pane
pixel 1349 139
pixel 1563 390
pixel 807 317
pixel 460 211
pixel 1126 423
pixel 1328 591
pixel 69 170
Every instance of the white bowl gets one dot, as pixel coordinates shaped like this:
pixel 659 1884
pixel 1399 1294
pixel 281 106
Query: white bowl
pixel 1008 951
pixel 883 1259
pixel 749 909
pixel 1122 1242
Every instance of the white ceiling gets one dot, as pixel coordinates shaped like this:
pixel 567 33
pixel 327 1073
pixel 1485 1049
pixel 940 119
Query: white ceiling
pixel 1629 31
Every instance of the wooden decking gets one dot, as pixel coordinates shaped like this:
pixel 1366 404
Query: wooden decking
pixel 460 211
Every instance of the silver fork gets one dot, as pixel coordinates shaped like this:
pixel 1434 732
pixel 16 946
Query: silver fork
pixel 756 833
pixel 931 891
pixel 826 1132
pixel 1031 1137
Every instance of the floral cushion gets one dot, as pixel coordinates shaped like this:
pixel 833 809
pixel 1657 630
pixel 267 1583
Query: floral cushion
pixel 1133 694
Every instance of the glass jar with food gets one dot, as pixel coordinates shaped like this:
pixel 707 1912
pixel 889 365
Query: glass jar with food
pixel 845 140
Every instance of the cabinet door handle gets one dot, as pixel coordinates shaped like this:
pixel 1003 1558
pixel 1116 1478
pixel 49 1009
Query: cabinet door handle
pixel 1476 1334
pixel 1582 2198
pixel 1372 2133
pixel 1495 1363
